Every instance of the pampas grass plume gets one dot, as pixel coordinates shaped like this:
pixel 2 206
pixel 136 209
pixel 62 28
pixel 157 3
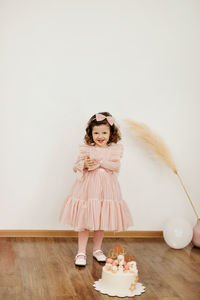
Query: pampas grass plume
pixel 158 146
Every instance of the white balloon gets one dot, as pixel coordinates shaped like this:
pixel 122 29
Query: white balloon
pixel 177 233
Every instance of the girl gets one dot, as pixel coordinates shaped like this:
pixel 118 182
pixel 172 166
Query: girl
pixel 95 201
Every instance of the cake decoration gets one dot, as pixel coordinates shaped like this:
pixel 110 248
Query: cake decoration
pixel 119 274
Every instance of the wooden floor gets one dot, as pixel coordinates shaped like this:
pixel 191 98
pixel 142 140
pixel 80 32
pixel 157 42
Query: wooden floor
pixel 43 268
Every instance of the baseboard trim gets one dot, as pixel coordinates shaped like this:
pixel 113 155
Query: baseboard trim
pixel 72 233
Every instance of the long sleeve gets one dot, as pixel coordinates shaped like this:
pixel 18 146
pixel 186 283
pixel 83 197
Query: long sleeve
pixel 111 165
pixel 78 167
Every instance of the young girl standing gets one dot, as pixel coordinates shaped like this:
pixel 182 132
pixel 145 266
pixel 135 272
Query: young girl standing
pixel 95 201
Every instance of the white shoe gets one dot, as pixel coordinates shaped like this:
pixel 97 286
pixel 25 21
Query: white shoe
pixel 100 257
pixel 80 261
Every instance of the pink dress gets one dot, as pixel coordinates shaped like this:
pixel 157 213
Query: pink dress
pixel 95 200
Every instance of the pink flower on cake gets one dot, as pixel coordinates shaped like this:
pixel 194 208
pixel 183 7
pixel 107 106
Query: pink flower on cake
pixel 109 260
pixel 126 267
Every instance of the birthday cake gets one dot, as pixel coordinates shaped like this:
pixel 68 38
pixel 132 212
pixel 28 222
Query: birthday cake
pixel 119 275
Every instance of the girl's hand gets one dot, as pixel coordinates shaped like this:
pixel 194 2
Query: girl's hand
pixel 88 163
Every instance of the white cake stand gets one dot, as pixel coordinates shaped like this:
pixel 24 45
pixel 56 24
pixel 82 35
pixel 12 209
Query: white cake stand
pixel 138 291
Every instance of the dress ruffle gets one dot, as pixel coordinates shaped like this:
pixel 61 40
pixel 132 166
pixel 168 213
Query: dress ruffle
pixel 91 215
pixel 84 149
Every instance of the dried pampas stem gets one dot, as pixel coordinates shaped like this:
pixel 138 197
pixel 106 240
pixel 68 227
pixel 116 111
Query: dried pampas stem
pixel 157 145
pixel 187 195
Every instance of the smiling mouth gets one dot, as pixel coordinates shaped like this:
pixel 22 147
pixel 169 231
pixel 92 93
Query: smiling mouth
pixel 100 141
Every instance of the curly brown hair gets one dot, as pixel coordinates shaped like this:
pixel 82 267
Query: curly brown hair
pixel 115 135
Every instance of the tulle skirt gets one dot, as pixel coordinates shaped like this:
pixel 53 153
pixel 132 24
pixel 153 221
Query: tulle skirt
pixel 95 202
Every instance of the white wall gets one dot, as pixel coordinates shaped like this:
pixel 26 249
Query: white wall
pixel 62 61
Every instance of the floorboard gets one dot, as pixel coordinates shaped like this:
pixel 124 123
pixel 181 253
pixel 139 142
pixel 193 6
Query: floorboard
pixel 43 269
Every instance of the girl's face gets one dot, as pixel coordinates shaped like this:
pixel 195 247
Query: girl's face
pixel 101 135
